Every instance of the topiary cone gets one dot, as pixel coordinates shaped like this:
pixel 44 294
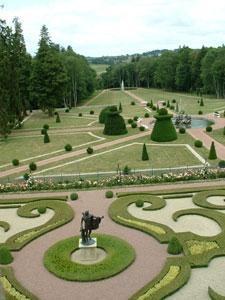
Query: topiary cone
pixel 46 138
pixel 144 153
pixel 212 152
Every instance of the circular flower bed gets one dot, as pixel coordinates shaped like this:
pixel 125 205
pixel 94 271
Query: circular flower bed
pixel 58 261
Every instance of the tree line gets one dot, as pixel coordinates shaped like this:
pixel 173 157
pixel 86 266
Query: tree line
pixel 186 70
pixel 54 77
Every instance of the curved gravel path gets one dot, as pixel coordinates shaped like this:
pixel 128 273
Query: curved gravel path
pixel 150 258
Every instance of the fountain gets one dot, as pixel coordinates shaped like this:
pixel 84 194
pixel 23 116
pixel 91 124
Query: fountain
pixel 122 85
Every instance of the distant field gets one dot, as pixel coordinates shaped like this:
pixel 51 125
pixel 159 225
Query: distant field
pixel 99 68
pixel 189 103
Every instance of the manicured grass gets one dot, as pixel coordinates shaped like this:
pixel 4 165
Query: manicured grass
pixel 218 135
pixel 188 102
pixel 99 68
pixel 58 261
pixel 113 97
pixel 30 146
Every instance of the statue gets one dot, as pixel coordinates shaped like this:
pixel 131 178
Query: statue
pixel 88 223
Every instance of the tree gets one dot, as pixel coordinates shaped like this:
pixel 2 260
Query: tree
pixel 212 151
pixel 57 119
pixel 46 138
pixel 144 153
pixel 183 70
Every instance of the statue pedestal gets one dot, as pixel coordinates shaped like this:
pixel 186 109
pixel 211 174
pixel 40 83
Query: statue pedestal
pixel 88 253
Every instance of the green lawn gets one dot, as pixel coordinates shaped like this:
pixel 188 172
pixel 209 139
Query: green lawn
pixel 218 135
pixel 30 146
pixel 99 68
pixel 188 102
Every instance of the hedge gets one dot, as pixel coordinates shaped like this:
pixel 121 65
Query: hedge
pixel 114 123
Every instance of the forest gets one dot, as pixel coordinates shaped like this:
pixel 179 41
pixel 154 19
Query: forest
pixel 53 77
pixel 200 71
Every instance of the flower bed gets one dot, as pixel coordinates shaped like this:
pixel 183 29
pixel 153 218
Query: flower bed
pixel 33 184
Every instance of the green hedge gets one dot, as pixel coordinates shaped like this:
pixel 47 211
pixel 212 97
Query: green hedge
pixel 114 123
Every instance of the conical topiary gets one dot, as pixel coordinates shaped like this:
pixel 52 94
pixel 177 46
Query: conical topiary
pixel 151 104
pixel 212 152
pixel 114 123
pixel 174 246
pixel 5 255
pixel 120 107
pixel 46 138
pixel 163 130
pixel 144 153
pixel 57 119
pixel 168 104
pixel 201 102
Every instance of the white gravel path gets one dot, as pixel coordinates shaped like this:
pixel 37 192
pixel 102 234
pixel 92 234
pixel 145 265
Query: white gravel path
pixel 217 200
pixel 201 279
pixel 18 224
pixel 197 224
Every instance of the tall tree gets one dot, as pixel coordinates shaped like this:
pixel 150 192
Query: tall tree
pixel 183 70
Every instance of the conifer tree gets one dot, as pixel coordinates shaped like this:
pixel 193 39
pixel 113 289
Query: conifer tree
pixel 46 138
pixel 144 153
pixel 212 152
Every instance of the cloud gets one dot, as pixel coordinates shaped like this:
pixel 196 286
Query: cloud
pixel 111 27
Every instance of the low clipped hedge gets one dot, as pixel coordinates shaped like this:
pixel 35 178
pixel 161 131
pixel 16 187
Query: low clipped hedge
pixel 5 255
pixel 109 194
pixel 139 203
pixel 174 246
pixel 73 196
pixel 198 144
pixel 142 128
pixel 134 125
pixel 58 261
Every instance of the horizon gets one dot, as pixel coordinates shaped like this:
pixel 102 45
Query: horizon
pixel 93 28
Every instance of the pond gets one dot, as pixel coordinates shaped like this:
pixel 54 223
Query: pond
pixel 199 122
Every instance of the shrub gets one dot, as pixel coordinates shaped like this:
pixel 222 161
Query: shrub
pixel 182 130
pixel 42 210
pixel 92 112
pixel 73 196
pixel 174 101
pixel 132 103
pixel 168 104
pixel 142 128
pixel 164 103
pixel 5 255
pixel 212 152
pixel 147 115
pixel 139 203
pixel 120 107
pixel 200 112
pixel 198 143
pixel 103 114
pixel 201 102
pixel 144 153
pixel 57 119
pixel 32 166
pixel 148 104
pixel 46 138
pixel 134 125
pixel 26 176
pixel 174 246
pixel 221 164
pixel 135 118
pixel 208 128
pixel 163 130
pixel 154 107
pixel 114 123
pixel 172 107
pixel 43 131
pixel 80 114
pixel 68 147
pixel 56 113
pixel 109 194
pixel 90 150
pixel 67 110
pixel 46 126
pixel 130 121
pixel 151 104
pixel 126 170
pixel 15 162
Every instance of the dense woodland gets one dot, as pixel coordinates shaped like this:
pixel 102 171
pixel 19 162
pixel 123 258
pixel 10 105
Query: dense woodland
pixel 54 77
pixel 185 70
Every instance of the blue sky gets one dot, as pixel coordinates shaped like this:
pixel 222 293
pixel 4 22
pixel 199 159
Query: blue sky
pixel 113 27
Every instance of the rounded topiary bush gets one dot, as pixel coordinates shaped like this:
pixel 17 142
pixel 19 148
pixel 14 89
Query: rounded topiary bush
pixel 32 166
pixel 80 115
pixel 135 118
pixel 148 104
pixel 15 162
pixel 56 113
pixel 147 115
pixel 174 101
pixel 42 210
pixel 130 121
pixel 5 255
pixel 132 103
pixel 114 123
pixel 90 150
pixel 154 107
pixel 73 196
pixel 174 246
pixel 139 203
pixel 109 194
pixel 200 112
pixel 208 129
pixel 134 125
pixel 68 147
pixel 126 170
pixel 67 110
pixel 46 126
pixel 172 107
pixel 26 176
pixel 182 130
pixel 221 164
pixel 163 130
pixel 198 144
pixel 142 128
pixel 92 112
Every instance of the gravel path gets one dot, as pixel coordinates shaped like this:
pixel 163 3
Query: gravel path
pixel 150 258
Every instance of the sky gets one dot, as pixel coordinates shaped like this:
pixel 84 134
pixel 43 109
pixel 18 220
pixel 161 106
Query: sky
pixel 115 27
